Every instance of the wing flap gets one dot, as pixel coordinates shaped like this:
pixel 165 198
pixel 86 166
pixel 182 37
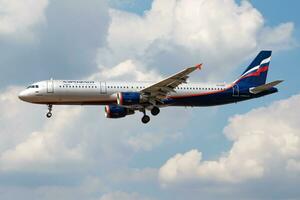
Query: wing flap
pixel 160 89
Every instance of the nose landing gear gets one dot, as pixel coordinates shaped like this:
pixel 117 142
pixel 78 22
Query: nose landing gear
pixel 49 113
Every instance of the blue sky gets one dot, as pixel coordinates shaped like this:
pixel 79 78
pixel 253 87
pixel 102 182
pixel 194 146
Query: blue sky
pixel 218 152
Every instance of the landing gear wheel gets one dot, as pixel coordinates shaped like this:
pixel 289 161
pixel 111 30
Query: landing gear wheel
pixel 155 111
pixel 49 114
pixel 145 119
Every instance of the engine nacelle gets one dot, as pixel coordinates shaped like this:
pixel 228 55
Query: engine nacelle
pixel 129 98
pixel 115 111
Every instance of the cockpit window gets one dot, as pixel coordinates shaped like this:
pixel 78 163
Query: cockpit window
pixel 33 86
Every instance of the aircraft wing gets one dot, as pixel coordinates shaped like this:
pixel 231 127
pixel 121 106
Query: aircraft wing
pixel 160 89
pixel 264 87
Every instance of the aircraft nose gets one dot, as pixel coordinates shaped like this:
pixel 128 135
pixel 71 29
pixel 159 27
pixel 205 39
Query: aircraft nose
pixel 23 95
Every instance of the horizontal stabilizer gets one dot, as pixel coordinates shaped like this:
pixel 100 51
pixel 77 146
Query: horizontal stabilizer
pixel 261 88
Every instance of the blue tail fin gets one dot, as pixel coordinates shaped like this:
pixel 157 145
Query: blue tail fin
pixel 256 74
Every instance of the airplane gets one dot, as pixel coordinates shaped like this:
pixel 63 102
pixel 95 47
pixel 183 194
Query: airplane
pixel 125 98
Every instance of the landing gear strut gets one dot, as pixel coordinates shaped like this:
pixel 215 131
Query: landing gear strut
pixel 145 118
pixel 155 111
pixel 49 113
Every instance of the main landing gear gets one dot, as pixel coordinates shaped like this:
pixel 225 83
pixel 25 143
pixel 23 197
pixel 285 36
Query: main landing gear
pixel 154 111
pixel 145 119
pixel 49 113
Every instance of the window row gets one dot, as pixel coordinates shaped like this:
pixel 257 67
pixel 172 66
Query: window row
pixel 77 86
pixel 181 88
pixel 128 87
pixel 197 88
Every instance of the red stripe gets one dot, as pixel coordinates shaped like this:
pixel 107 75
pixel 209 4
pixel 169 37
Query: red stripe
pixel 107 111
pixel 256 73
pixel 121 98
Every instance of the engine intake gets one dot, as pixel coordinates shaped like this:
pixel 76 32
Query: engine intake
pixel 129 98
pixel 115 111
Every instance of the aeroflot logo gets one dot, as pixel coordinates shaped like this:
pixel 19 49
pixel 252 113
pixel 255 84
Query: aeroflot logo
pixel 78 81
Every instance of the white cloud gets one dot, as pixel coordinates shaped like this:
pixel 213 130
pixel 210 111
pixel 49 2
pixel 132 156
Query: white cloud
pixel 19 17
pixel 127 70
pixel 14 118
pixel 266 143
pixel 132 175
pixel 45 147
pixel 192 31
pixel 90 188
pixel 147 141
pixel 278 38
pixel 123 195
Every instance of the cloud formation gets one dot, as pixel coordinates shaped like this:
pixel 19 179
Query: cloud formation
pixel 66 34
pixel 266 143
pixel 191 32
pixel 18 18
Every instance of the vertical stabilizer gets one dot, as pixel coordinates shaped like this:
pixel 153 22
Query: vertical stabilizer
pixel 256 73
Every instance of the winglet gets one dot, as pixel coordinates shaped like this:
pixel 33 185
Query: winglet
pixel 198 66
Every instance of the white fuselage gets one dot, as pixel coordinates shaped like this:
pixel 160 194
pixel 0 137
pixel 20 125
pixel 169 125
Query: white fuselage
pixel 68 92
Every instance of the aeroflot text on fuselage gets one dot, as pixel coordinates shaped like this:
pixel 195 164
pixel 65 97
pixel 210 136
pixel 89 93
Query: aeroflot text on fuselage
pixel 125 98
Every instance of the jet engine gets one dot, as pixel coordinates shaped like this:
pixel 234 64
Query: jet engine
pixel 129 98
pixel 115 111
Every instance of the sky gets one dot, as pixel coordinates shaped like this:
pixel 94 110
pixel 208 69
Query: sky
pixel 248 150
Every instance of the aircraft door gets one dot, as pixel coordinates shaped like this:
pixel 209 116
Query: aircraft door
pixel 103 88
pixel 50 86
pixel 235 91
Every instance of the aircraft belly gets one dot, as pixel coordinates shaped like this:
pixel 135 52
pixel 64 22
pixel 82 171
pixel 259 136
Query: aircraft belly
pixel 205 100
pixel 82 99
